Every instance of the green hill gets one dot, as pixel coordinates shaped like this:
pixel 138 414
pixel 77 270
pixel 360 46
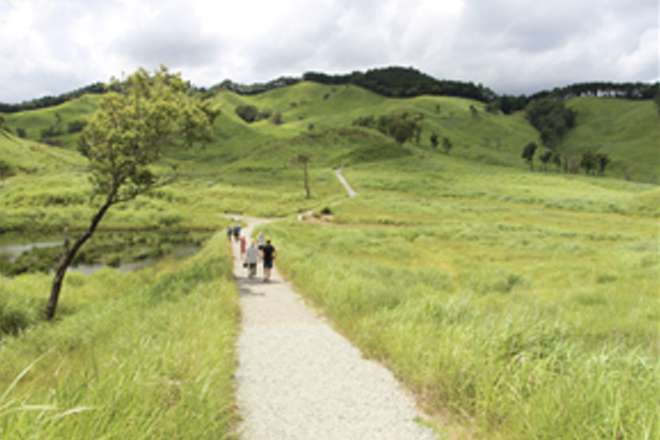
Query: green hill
pixel 490 290
pixel 628 131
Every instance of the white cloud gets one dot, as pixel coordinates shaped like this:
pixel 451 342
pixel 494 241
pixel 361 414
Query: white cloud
pixel 50 47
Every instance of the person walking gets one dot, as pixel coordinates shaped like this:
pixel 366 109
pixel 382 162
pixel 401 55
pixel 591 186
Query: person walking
pixel 237 232
pixel 251 259
pixel 268 254
pixel 243 242
pixel 230 232
pixel 261 240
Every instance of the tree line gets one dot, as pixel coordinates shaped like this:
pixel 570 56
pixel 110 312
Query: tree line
pixel 404 82
pixel 50 101
pixel 592 163
pixel 508 104
pixel 394 81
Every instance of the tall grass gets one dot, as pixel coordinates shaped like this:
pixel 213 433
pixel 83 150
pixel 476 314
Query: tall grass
pixel 525 320
pixel 155 359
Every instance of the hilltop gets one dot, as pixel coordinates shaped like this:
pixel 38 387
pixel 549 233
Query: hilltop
pixel 321 115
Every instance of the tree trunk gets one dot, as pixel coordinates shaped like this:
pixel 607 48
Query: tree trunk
pixel 308 193
pixel 69 255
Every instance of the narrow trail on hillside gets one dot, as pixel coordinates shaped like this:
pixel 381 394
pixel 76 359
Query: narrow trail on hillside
pixel 345 184
pixel 299 379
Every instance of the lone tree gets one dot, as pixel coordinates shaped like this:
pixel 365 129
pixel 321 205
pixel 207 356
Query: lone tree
pixel 545 159
pixel 434 140
pixel 3 124
pixel 556 159
pixel 602 160
pixel 134 123
pixel 528 154
pixel 473 111
pixel 657 101
pixel 588 162
pixel 303 161
pixel 446 144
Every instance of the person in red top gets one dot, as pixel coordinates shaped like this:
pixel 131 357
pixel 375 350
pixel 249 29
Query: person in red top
pixel 243 242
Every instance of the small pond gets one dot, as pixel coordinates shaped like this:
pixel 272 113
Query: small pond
pixel 124 251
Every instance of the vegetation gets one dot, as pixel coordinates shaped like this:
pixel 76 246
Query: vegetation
pixel 528 154
pixel 125 138
pixel 434 140
pixel 50 101
pixel 303 160
pixel 551 118
pixel 490 291
pixel 400 127
pixel 446 144
pixel 495 311
pixel 248 113
pixel 402 82
pixel 6 170
pixel 148 354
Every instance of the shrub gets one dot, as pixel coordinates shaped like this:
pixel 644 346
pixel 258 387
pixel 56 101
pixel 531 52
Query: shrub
pixel 551 118
pixel 277 118
pixel 248 113
pixel 76 126
pixel 6 170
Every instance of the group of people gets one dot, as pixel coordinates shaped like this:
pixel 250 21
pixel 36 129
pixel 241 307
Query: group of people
pixel 259 249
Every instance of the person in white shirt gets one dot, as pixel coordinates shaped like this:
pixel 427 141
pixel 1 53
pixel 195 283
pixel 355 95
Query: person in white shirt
pixel 251 259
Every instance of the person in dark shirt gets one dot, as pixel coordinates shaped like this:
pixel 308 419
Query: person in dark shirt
pixel 268 253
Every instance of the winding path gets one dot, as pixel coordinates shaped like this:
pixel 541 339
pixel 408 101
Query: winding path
pixel 299 379
pixel 345 184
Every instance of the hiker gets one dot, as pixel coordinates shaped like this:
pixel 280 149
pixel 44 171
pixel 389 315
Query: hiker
pixel 261 240
pixel 251 259
pixel 237 232
pixel 268 254
pixel 243 242
pixel 230 232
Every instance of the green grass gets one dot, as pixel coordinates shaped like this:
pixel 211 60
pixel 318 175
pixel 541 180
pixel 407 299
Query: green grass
pixel 628 131
pixel 526 304
pixel 517 304
pixel 138 355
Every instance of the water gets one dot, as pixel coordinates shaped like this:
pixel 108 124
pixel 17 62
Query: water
pixel 13 251
pixel 14 246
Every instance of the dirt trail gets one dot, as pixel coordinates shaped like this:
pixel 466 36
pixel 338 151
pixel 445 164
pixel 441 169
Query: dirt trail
pixel 345 184
pixel 299 379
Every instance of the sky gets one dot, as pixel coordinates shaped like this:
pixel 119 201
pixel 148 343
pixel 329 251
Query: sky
pixel 511 46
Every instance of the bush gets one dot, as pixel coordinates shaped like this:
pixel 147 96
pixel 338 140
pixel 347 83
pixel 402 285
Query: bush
pixel 6 170
pixel 248 113
pixel 326 211
pixel 551 118
pixel 76 126
pixel 277 118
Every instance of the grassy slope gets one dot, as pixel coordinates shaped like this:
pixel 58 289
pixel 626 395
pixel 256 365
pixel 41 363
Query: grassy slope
pixel 628 131
pixel 34 121
pixel 137 355
pixel 526 303
pixel 486 285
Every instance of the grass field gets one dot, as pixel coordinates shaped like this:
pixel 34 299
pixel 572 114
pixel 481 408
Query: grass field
pixel 526 304
pixel 516 304
pixel 137 355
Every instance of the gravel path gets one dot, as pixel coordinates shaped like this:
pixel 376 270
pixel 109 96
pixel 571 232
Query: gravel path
pixel 299 379
pixel 345 184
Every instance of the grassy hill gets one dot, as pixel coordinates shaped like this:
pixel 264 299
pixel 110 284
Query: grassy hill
pixel 628 131
pixel 519 304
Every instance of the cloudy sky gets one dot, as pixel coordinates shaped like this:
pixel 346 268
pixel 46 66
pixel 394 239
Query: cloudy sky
pixel 512 46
